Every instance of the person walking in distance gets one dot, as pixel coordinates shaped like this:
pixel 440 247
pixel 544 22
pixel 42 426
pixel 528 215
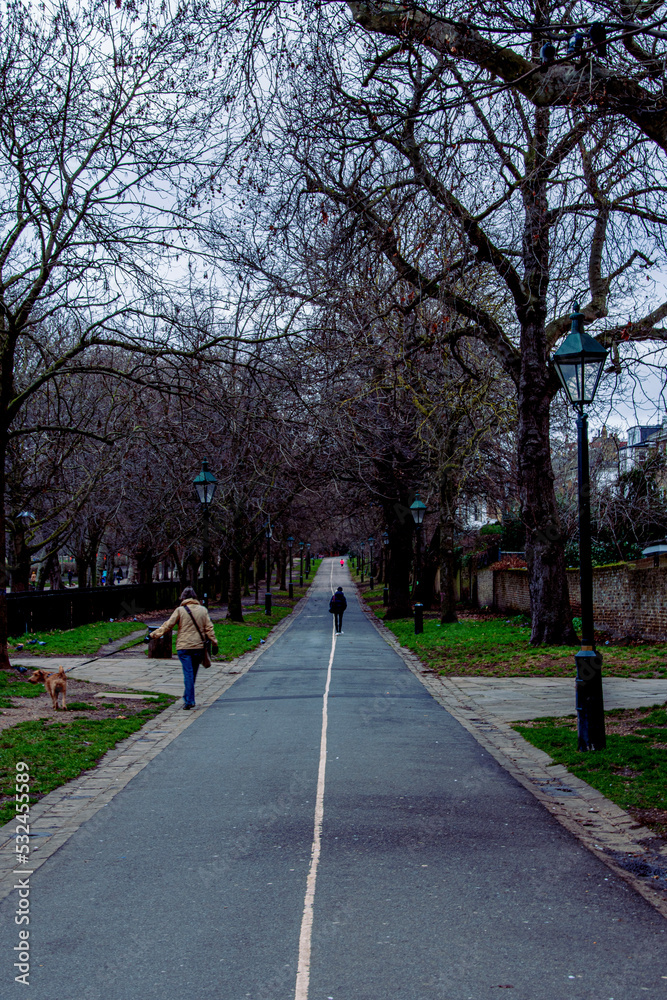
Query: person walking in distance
pixel 195 629
pixel 337 606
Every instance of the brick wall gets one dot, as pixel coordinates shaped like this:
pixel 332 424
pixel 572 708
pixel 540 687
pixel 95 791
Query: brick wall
pixel 510 589
pixel 628 598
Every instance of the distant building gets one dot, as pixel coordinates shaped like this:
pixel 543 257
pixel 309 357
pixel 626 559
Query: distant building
pixel 643 442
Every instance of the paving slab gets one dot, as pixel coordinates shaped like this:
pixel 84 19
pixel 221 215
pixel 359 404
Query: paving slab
pixel 514 699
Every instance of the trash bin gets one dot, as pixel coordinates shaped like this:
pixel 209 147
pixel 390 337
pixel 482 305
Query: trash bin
pixel 158 649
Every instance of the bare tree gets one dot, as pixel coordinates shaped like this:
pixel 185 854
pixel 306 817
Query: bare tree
pixel 107 130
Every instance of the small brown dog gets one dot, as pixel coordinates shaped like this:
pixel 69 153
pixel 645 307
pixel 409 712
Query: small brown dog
pixel 54 683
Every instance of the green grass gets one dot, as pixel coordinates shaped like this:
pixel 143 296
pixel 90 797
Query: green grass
pixel 632 771
pixel 485 645
pixel 234 638
pixel 86 640
pixel 57 752
pixel 81 641
pixel 11 688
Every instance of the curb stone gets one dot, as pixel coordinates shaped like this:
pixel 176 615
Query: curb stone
pixel 608 831
pixel 61 812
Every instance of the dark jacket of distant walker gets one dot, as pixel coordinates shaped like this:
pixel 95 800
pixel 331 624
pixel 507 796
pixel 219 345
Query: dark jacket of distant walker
pixel 338 603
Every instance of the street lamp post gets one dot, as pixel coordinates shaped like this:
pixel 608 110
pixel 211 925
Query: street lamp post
pixel 418 509
pixel 267 596
pixel 205 484
pixel 385 543
pixel 307 559
pixel 301 564
pixel 290 543
pixel 579 362
pixel 371 542
pixel 363 546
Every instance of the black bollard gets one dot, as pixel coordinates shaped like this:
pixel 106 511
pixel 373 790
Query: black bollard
pixel 267 604
pixel 589 701
pixel 419 619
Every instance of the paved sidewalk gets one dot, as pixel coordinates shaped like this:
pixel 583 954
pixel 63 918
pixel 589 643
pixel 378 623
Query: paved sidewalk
pixel 514 699
pixel 131 672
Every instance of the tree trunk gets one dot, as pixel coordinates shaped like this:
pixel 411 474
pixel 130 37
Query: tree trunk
pixel 81 571
pixel 447 574
pixel 4 653
pixel 282 568
pixel 400 530
pixel 180 568
pixel 19 571
pixel 191 567
pixel 55 576
pixel 429 571
pixel 224 579
pixel 234 606
pixel 448 497
pixel 545 544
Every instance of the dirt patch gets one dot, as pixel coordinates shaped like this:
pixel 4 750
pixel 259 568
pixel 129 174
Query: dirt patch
pixel 627 723
pixel 654 819
pixel 618 722
pixel 77 691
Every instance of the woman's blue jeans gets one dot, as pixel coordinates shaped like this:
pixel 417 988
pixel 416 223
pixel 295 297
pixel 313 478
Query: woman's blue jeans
pixel 190 661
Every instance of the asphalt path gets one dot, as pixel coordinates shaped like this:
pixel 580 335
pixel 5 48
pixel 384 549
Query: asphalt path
pixel 327 831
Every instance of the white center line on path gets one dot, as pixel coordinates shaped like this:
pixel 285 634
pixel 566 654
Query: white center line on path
pixel 303 968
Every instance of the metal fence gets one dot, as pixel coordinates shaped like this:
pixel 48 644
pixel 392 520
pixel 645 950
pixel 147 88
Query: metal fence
pixel 62 609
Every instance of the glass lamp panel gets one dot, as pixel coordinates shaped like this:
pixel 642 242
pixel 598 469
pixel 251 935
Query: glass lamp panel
pixel 570 377
pixel 592 374
pixel 417 510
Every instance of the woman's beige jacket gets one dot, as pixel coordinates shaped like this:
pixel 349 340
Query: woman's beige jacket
pixel 188 637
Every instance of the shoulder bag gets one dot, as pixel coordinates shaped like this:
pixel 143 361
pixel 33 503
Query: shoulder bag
pixel 206 661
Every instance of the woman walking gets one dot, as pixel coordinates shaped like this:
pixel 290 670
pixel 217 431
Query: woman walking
pixel 195 628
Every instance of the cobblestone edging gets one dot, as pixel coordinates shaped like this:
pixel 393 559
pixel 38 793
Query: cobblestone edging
pixel 59 814
pixel 600 825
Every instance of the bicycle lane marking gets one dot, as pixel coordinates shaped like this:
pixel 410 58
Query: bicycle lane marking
pixel 305 936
